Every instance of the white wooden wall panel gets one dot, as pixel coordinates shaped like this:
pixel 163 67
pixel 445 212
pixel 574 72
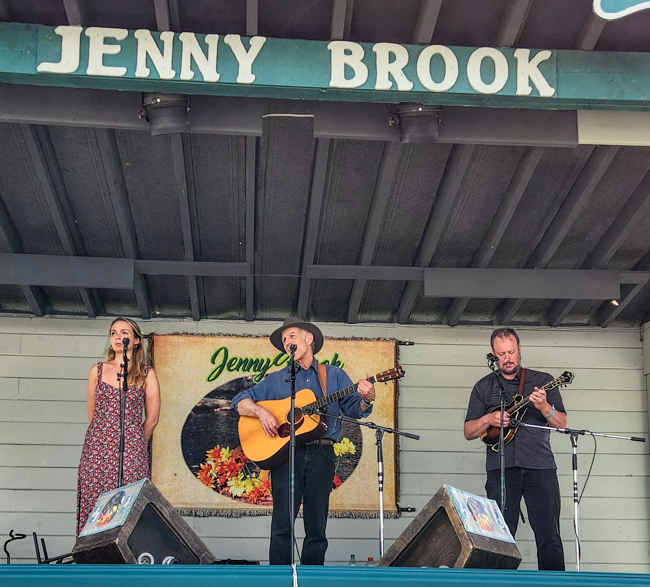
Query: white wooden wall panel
pixel 44 363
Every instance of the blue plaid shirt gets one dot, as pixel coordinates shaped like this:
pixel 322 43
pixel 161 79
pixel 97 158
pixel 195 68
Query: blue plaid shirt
pixel 275 387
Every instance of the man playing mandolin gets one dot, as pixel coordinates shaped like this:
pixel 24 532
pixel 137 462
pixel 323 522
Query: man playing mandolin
pixel 530 465
pixel 315 460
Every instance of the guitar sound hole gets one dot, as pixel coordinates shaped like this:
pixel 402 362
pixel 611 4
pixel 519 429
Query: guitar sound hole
pixel 284 430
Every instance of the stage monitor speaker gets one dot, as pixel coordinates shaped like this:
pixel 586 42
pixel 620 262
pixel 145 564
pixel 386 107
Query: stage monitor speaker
pixel 136 524
pixel 455 529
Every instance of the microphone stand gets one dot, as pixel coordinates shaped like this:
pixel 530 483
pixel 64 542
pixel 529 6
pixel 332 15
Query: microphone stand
pixel 379 433
pixel 574 444
pixel 502 452
pixel 124 375
pixel 292 451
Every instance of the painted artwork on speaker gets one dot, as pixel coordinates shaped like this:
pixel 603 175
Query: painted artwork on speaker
pixel 112 508
pixel 479 515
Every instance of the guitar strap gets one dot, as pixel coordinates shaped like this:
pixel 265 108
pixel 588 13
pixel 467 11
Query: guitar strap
pixel 522 376
pixel 322 377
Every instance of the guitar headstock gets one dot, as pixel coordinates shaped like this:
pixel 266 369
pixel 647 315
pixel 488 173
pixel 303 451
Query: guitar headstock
pixel 390 375
pixel 564 379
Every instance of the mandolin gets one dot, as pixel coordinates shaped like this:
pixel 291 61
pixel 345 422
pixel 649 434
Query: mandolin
pixel 270 452
pixel 516 409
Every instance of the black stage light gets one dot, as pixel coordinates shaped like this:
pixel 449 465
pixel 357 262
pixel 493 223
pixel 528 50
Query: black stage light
pixel 418 123
pixel 166 113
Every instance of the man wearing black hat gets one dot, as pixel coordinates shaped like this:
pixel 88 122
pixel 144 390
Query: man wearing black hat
pixel 315 461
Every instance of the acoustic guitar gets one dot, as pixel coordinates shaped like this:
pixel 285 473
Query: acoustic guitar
pixel 516 409
pixel 270 452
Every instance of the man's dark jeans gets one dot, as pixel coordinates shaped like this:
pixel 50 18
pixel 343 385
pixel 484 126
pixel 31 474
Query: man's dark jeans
pixel 541 492
pixel 315 465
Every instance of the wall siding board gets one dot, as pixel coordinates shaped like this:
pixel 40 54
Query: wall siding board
pixel 44 364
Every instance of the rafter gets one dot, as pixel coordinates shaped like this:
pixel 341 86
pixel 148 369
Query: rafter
pixel 44 160
pixel 635 208
pixel 252 17
pixel 576 200
pixel 251 191
pixel 75 11
pixel 183 171
pixel 512 22
pixel 112 163
pixel 317 194
pixel 629 291
pixel 457 164
pixel 426 22
pixel 10 243
pixel 590 33
pixel 387 170
pixel 341 19
pixel 509 202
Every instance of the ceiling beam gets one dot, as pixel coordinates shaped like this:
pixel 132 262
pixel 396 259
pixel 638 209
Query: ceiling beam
pixel 252 17
pixel 457 164
pixel 112 163
pixel 508 205
pixel 576 200
pixel 10 243
pixel 426 22
pixel 251 192
pixel 634 210
pixel 183 171
pixel 75 11
pixel 43 157
pixel 103 272
pixel 316 197
pixel 64 271
pixel 387 170
pixel 590 33
pixel 192 268
pixel 529 284
pixel 512 22
pixel 367 272
pixel 79 107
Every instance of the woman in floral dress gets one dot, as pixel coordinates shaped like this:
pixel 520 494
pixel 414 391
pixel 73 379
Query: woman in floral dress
pixel 98 469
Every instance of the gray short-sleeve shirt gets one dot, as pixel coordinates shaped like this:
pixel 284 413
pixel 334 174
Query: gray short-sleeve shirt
pixel 531 447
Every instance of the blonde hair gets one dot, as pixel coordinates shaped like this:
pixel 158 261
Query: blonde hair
pixel 137 360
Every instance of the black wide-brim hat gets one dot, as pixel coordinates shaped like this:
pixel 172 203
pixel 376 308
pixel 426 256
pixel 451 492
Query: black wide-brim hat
pixel 293 322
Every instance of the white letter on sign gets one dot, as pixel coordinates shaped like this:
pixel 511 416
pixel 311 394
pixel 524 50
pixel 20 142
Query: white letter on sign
pixel 97 49
pixel 191 49
pixel 500 70
pixel 386 67
pixel 244 58
pixel 147 46
pixel 424 68
pixel 529 70
pixel 70 49
pixel 351 54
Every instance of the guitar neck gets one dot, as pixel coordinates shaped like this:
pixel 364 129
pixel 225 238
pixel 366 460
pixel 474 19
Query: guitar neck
pixel 321 402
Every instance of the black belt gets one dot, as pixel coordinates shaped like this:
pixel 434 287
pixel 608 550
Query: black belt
pixel 322 441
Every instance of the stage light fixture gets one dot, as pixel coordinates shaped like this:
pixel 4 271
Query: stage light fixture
pixel 418 123
pixel 166 113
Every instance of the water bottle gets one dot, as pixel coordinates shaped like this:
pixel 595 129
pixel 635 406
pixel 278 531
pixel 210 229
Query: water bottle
pixel 353 561
pixel 371 562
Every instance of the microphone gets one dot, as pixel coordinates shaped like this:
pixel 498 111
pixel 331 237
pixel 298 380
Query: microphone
pixel 125 343
pixel 491 358
pixel 292 349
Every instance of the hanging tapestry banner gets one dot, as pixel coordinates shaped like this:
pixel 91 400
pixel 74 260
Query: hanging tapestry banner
pixel 197 461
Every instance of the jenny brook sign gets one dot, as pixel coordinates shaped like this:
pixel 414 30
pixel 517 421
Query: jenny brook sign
pixel 186 62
